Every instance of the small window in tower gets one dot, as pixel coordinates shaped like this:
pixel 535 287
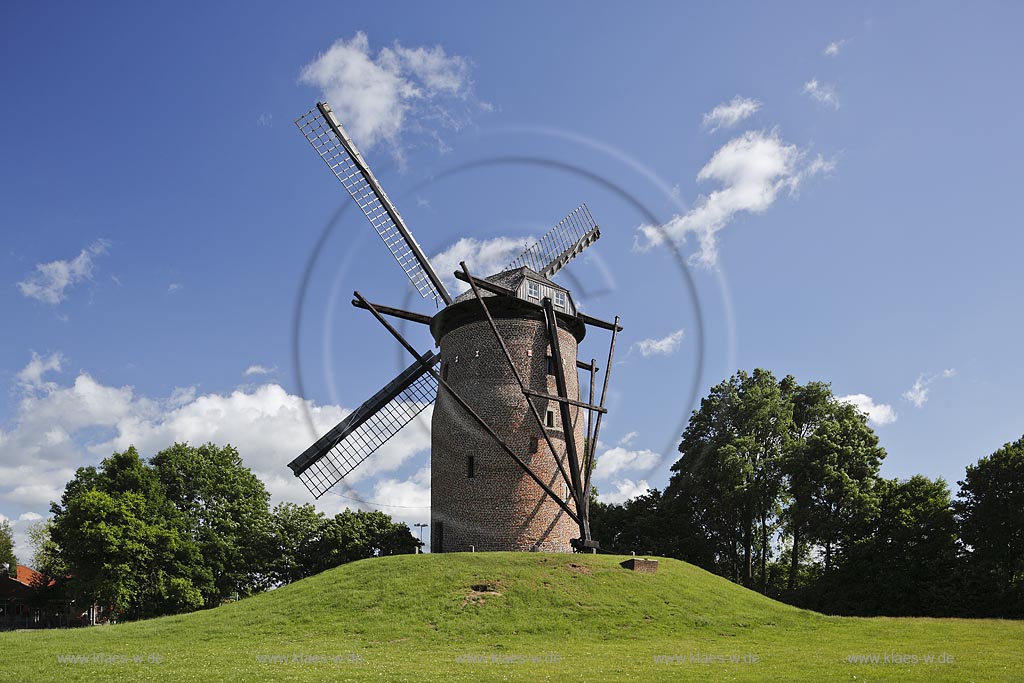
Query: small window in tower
pixel 560 300
pixel 550 419
pixel 551 365
pixel 470 469
pixel 565 492
pixel 532 289
pixel 444 371
pixel 534 444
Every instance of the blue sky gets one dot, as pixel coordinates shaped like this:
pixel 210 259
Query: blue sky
pixel 824 191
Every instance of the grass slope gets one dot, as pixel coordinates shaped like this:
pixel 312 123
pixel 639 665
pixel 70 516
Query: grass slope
pixel 548 617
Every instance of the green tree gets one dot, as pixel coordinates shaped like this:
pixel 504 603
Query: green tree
pixel 46 558
pixel 907 563
pixel 841 460
pixel 730 472
pixel 811 405
pixel 7 556
pixel 990 510
pixel 297 530
pixel 225 507
pixel 125 544
pixel 356 535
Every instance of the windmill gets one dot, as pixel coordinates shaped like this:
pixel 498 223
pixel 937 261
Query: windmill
pixel 511 450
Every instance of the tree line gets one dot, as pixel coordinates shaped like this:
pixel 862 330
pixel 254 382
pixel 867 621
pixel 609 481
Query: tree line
pixel 188 529
pixel 778 489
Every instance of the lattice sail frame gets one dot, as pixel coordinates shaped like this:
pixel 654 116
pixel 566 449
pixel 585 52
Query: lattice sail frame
pixel 335 147
pixel 560 244
pixel 367 428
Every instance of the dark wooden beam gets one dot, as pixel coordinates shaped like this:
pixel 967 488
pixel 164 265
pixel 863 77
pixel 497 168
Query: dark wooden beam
pixel 572 454
pixel 597 322
pixel 485 284
pixel 587 366
pixel 395 312
pixel 579 404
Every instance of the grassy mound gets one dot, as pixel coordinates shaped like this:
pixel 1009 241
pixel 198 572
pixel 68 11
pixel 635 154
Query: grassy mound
pixel 514 616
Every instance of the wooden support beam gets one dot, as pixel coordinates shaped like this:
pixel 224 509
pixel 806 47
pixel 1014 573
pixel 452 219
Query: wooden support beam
pixel 484 284
pixel 395 312
pixel 578 404
pixel 572 454
pixel 587 366
pixel 597 322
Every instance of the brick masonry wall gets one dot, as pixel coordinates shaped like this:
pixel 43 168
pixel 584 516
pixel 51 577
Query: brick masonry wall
pixel 500 507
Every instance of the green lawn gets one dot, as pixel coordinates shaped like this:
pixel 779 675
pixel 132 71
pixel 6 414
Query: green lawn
pixel 548 617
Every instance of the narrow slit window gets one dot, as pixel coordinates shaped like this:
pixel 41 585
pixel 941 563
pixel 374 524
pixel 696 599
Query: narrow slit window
pixel 550 419
pixel 470 467
pixel 534 444
pixel 444 371
pixel 551 365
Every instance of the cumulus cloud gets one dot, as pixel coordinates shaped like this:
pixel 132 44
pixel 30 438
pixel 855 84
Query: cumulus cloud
pixel 730 113
pixel 50 280
pixel 484 257
pixel 878 413
pixel 660 347
pixel 57 429
pixel 620 459
pixel 377 97
pixel 822 93
pixel 919 393
pixel 31 376
pixel 624 490
pixel 753 170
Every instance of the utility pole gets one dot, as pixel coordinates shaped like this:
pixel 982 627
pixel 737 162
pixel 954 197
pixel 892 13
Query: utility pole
pixel 421 525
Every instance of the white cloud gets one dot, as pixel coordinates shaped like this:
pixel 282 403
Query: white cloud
pixel 752 169
pixel 484 258
pixel 31 376
pixel 729 114
pixel 628 438
pixel 662 347
pixel 619 459
pixel 411 496
pixel 256 370
pixel 878 413
pixel 918 394
pixel 175 286
pixel 57 429
pixel 50 280
pixel 823 93
pixel 833 48
pixel 376 98
pixel 624 490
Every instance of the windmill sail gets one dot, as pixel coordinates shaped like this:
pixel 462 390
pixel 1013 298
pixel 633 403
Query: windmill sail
pixel 367 428
pixel 560 244
pixel 336 148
